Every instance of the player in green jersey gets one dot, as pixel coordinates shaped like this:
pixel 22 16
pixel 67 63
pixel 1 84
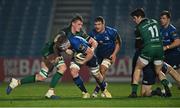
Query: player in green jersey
pixel 152 49
pixel 51 57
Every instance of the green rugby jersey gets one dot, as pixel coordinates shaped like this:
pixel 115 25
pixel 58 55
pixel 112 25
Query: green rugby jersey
pixel 148 32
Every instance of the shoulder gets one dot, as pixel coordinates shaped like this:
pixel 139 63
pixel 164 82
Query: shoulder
pixel 153 20
pixel 172 27
pixel 111 31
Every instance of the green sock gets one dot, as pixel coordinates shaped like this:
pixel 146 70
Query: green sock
pixel 164 82
pixel 55 79
pixel 28 79
pixel 134 88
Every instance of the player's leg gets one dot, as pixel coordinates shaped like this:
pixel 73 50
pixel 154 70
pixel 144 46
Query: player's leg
pixel 149 78
pixel 94 69
pixel 146 90
pixel 174 62
pixel 61 68
pixel 169 69
pixel 105 65
pixel 140 64
pixel 162 77
pixel 74 69
pixel 42 75
pixel 100 81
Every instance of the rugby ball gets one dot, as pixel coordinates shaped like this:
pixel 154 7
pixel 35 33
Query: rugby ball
pixel 79 57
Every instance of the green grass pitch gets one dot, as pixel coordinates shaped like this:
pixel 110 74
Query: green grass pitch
pixel 33 95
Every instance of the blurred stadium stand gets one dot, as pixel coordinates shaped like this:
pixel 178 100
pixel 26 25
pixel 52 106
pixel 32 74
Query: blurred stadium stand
pixel 25 25
pixel 117 14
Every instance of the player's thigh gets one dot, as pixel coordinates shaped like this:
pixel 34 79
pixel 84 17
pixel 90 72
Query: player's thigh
pixel 93 62
pixel 149 75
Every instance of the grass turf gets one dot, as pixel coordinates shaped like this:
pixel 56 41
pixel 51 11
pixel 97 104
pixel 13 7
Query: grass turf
pixel 32 95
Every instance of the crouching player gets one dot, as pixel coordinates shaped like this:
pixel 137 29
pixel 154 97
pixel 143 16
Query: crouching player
pixel 149 78
pixel 82 48
pixel 51 58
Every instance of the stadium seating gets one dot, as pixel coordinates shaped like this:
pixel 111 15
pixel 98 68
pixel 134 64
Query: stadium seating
pixel 23 26
pixel 117 14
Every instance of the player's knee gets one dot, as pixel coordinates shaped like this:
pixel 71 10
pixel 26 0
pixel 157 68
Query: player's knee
pixel 103 70
pixel 74 69
pixel 39 77
pixel 42 75
pixel 94 70
pixel 106 63
pixel 74 72
pixel 61 69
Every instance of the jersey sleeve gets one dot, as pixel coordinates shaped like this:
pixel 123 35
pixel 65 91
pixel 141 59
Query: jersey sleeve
pixel 138 41
pixel 78 45
pixel 117 37
pixel 174 34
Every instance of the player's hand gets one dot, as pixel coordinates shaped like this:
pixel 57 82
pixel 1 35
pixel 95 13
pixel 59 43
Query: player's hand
pixel 165 48
pixel 92 48
pixel 69 52
pixel 113 58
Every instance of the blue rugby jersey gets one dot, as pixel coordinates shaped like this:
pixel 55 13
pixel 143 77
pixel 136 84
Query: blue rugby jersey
pixel 169 34
pixel 78 44
pixel 106 41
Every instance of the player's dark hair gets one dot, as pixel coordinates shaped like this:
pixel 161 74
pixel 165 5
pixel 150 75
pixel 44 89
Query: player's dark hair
pixel 77 17
pixel 61 37
pixel 138 12
pixel 167 13
pixel 99 19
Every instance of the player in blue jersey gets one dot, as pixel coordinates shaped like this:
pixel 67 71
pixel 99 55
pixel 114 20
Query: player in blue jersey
pixel 171 41
pixel 75 29
pixel 109 43
pixel 80 45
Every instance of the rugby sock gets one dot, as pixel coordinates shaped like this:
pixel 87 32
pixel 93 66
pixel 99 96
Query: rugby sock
pixel 96 90
pixel 55 79
pixel 102 85
pixel 134 88
pixel 165 82
pixel 28 79
pixel 78 81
